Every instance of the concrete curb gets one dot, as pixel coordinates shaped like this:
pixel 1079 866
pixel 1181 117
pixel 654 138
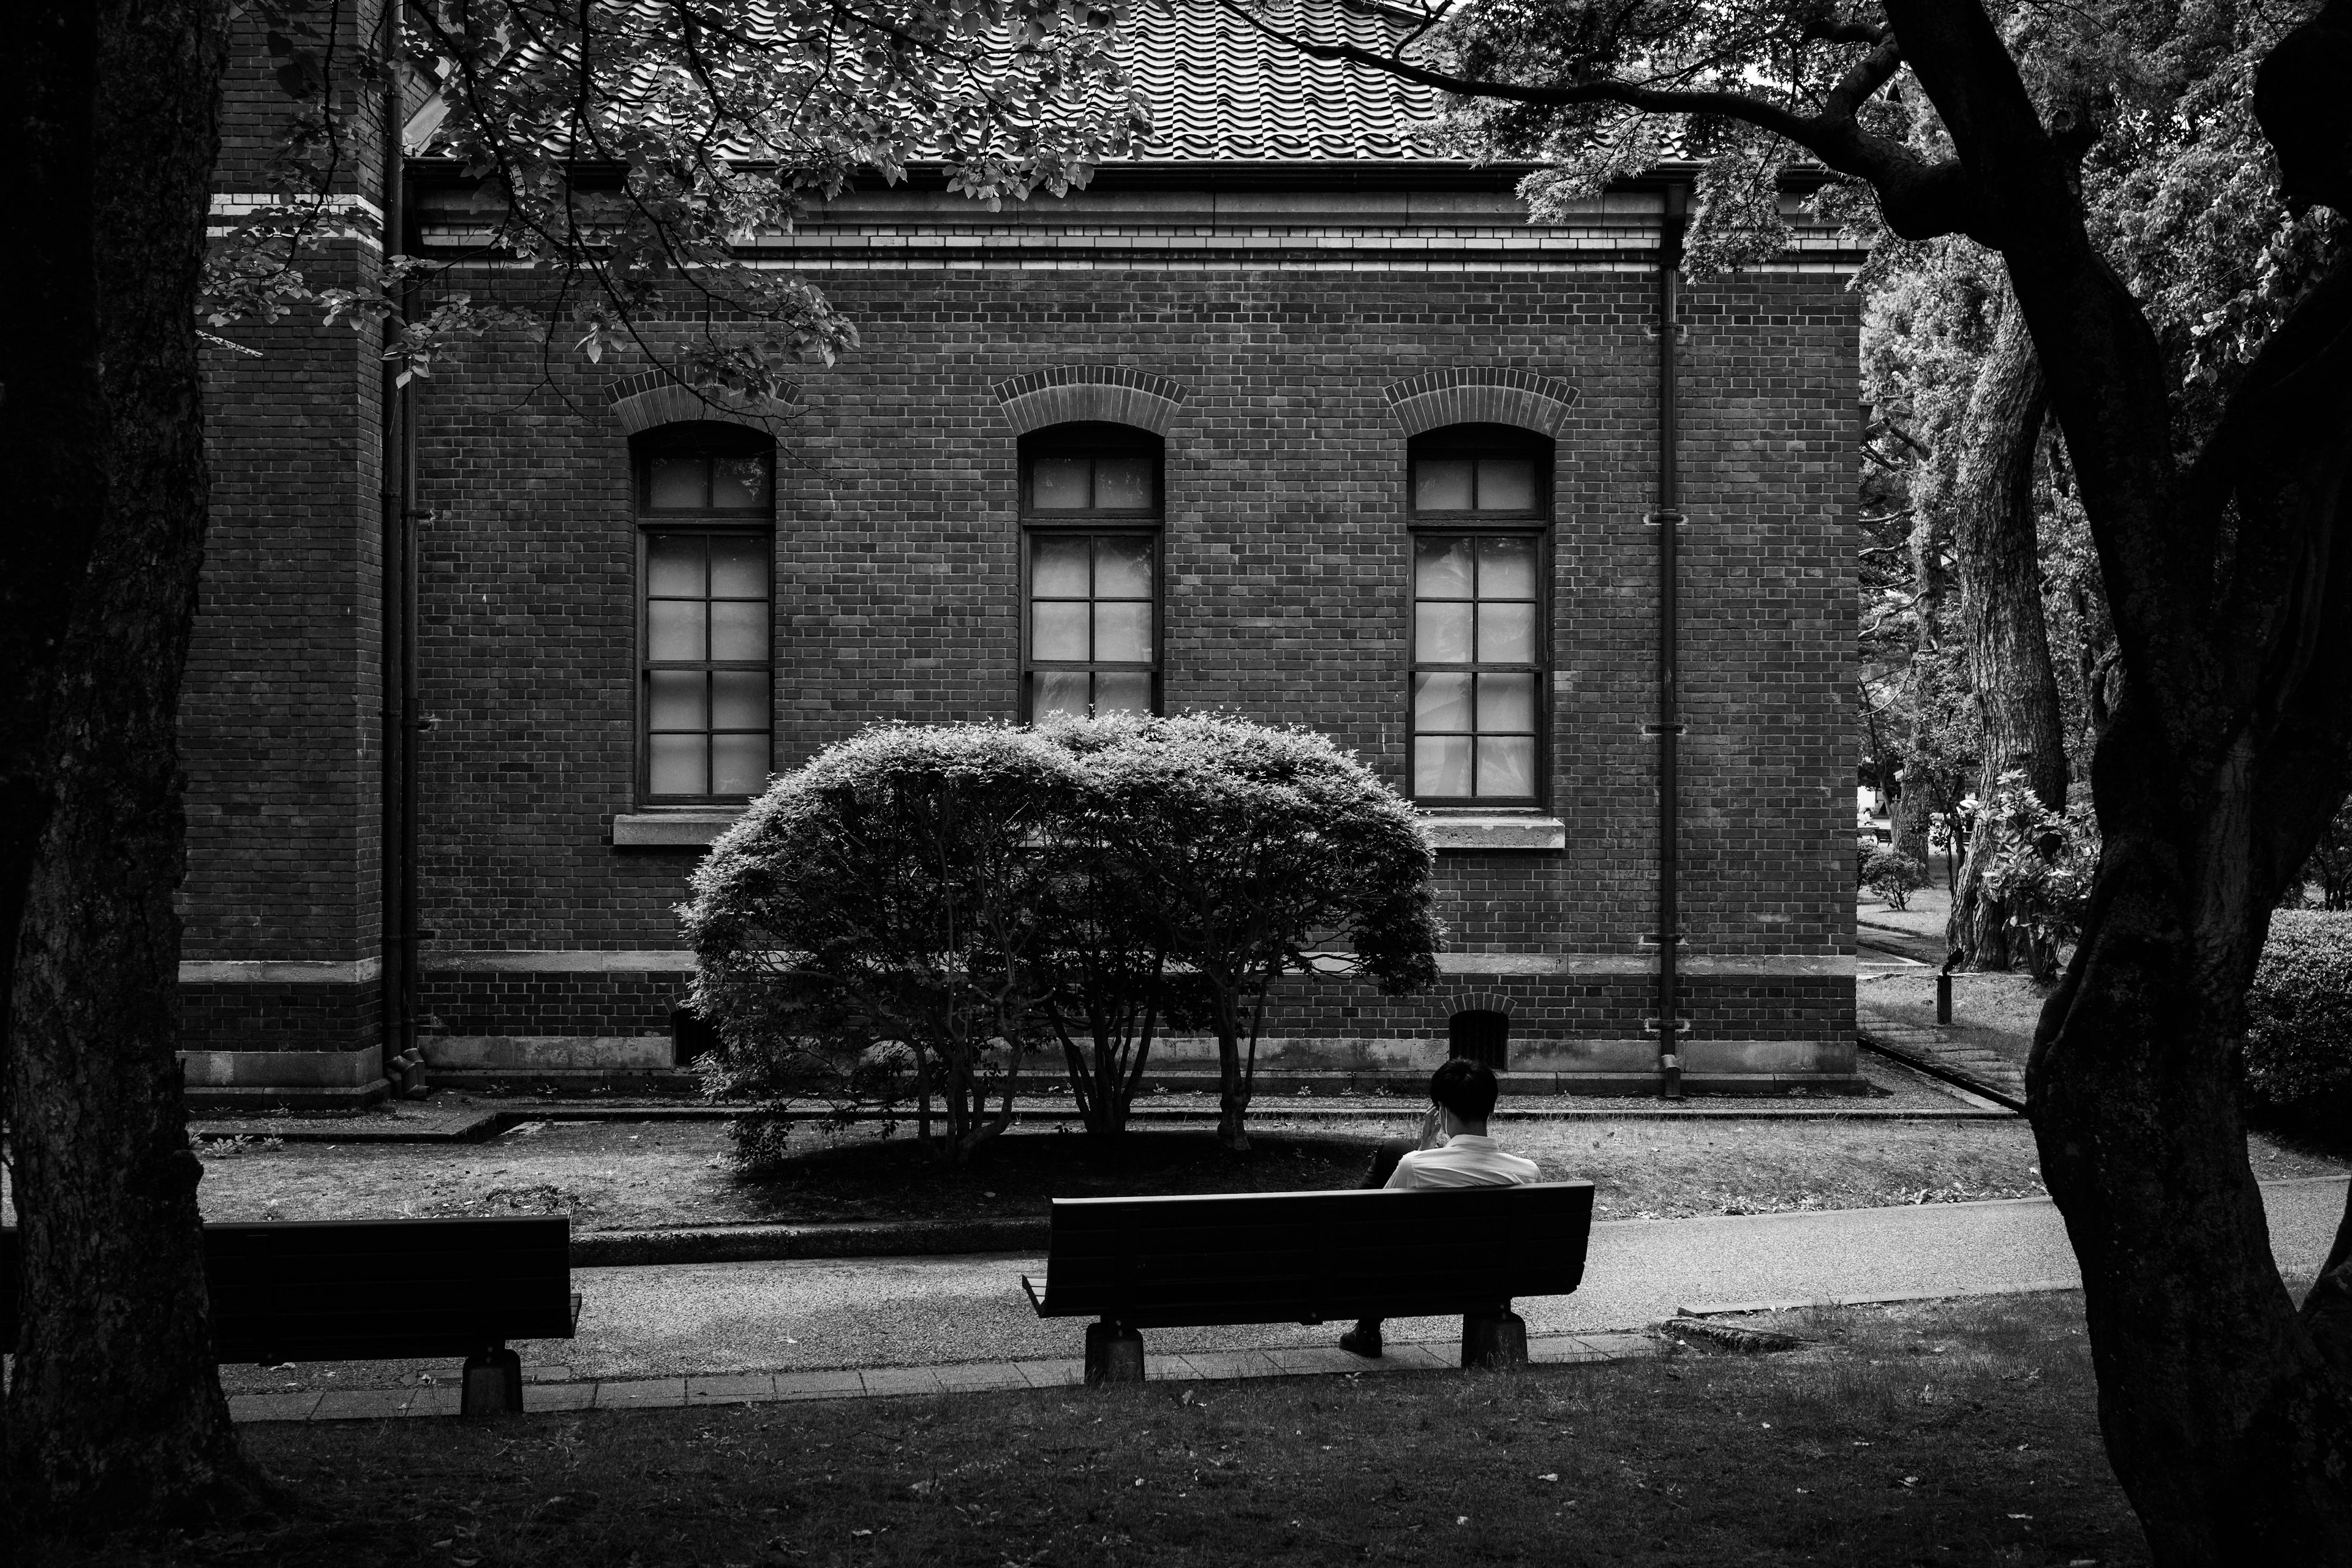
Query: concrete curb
pixel 878 1383
pixel 480 1128
pixel 777 1243
pixel 1920 1063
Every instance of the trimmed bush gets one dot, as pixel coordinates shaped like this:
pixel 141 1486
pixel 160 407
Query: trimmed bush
pixel 1894 876
pixel 2299 1015
pixel 1865 845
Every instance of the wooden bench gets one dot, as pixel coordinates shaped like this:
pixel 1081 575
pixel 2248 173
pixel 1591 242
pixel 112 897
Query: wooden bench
pixel 1312 1258
pixel 306 1290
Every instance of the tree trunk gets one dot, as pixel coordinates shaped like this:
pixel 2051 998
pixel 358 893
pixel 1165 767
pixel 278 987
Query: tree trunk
pixel 115 1411
pixel 2222 1419
pixel 2000 610
pixel 1912 804
pixel 1232 1084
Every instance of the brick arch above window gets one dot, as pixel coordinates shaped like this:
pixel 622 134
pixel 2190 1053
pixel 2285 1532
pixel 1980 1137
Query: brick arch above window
pixel 1071 394
pixel 650 398
pixel 1521 397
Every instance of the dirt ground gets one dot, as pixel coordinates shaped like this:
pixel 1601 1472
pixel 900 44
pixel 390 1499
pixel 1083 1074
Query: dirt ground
pixel 621 1175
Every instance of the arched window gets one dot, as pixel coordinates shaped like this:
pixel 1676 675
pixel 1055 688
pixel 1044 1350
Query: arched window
pixel 705 528
pixel 1090 516
pixel 1480 506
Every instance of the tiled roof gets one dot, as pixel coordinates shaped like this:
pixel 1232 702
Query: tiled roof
pixel 1220 91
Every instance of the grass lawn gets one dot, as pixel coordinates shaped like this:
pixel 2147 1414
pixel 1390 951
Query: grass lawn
pixel 1997 1012
pixel 627 1175
pixel 1958 1433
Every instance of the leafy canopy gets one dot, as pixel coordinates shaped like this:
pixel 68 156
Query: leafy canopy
pixel 627 150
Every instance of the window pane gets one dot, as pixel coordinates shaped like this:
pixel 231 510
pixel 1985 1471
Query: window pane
pixel 1122 567
pixel 1441 568
pixel 674 629
pixel 1506 766
pixel 678 765
pixel 1506 568
pixel 1441 765
pixel 1059 484
pixel 678 482
pixel 1123 481
pixel 1506 484
pixel 739 699
pixel 739 482
pixel 739 630
pixel 1123 692
pixel 1123 631
pixel 739 568
pixel 674 701
pixel 1505 702
pixel 1058 631
pixel 1441 703
pixel 1058 692
pixel 1057 567
pixel 1440 484
pixel 739 764
pixel 1507 634
pixel 1441 634
pixel 673 566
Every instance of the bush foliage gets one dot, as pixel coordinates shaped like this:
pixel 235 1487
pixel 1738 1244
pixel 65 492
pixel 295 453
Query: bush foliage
pixel 2041 867
pixel 917 910
pixel 2298 1054
pixel 1894 876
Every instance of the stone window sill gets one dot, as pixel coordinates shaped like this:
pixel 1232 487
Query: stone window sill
pixel 1516 832
pixel 672 829
pixel 1521 832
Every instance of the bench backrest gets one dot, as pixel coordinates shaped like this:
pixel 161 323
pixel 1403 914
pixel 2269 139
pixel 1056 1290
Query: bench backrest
pixel 1308 1257
pixel 309 1290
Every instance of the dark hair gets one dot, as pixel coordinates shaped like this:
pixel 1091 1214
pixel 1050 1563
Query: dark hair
pixel 1466 1088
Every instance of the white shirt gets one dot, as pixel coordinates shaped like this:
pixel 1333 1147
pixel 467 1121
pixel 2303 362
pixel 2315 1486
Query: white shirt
pixel 1464 1160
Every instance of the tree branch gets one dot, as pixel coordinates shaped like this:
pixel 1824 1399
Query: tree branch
pixel 2108 383
pixel 1920 200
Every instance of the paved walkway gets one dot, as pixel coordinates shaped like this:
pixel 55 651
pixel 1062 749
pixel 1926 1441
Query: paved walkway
pixel 848 1319
pixel 876 1383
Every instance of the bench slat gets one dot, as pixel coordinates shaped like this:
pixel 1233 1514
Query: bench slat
pixel 1304 1257
pixel 349 1290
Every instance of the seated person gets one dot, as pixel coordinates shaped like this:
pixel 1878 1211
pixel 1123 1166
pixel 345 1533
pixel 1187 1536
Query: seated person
pixel 1453 1151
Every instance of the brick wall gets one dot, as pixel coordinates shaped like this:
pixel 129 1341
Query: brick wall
pixel 1286 565
pixel 1287 589
pixel 279 728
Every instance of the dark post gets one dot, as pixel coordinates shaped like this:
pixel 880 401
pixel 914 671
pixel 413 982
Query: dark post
pixel 1944 998
pixel 1114 1354
pixel 493 1385
pixel 1494 1338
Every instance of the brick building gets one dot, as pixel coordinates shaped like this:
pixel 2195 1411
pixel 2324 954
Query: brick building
pixel 1284 417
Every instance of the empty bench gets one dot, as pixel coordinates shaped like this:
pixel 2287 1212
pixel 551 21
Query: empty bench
pixel 1312 1258
pixel 304 1291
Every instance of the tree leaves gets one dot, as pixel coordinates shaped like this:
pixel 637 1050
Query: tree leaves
pixel 632 154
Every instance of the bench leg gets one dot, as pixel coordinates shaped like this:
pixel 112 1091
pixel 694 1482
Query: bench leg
pixel 1494 1338
pixel 1114 1354
pixel 493 1385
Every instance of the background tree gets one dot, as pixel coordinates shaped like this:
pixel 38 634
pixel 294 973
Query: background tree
pixel 1254 852
pixel 2225 551
pixel 705 120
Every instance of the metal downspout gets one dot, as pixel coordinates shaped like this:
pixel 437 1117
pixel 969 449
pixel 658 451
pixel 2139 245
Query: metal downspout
pixel 1668 519
pixel 402 1062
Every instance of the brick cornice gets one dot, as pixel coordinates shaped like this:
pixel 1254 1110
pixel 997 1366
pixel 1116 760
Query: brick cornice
pixel 653 397
pixel 1477 396
pixel 1065 394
